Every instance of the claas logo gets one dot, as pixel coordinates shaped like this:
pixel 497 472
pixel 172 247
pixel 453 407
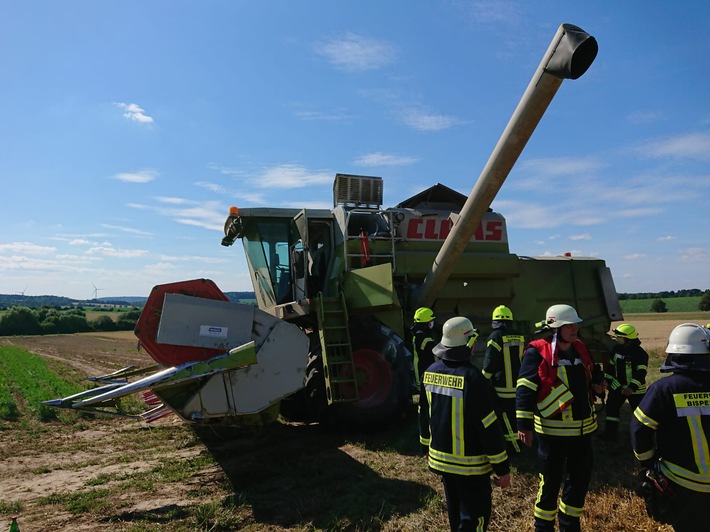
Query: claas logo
pixel 439 229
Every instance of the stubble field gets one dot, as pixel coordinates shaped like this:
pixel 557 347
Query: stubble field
pixel 97 473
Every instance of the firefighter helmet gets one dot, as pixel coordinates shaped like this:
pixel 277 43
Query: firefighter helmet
pixel 559 315
pixel 458 331
pixel 686 342
pixel 689 338
pixel 423 315
pixel 626 331
pixel 502 312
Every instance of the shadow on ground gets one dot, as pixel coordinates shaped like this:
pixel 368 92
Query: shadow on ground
pixel 298 474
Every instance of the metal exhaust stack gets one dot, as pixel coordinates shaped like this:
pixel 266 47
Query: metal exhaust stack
pixel 569 55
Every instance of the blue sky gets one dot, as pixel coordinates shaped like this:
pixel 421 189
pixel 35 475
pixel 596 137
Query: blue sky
pixel 129 128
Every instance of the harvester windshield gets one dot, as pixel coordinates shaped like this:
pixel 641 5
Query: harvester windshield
pixel 266 244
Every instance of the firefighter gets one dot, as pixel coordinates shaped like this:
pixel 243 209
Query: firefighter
pixel 460 428
pixel 555 396
pixel 625 374
pixel 501 365
pixel 424 338
pixel 670 433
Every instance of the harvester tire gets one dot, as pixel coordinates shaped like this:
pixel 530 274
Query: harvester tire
pixel 308 405
pixel 384 371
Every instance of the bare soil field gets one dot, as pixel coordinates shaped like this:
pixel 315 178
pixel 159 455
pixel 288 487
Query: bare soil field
pixel 101 473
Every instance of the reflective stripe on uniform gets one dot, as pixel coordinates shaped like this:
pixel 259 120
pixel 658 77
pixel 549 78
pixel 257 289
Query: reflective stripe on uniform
pixel 644 419
pixel 559 398
pixel 565 427
pixel 572 511
pixel 459 465
pixel 489 419
pixel 684 477
pixel 527 383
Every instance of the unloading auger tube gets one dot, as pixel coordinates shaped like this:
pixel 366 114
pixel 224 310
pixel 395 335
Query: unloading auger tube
pixel 569 55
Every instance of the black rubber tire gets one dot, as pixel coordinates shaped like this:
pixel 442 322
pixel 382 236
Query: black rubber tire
pixel 308 405
pixel 382 397
pixel 384 394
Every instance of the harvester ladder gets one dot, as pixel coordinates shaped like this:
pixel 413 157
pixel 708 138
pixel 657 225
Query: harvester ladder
pixel 338 366
pixel 377 258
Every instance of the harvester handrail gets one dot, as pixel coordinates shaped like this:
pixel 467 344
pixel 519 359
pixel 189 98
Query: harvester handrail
pixel 391 236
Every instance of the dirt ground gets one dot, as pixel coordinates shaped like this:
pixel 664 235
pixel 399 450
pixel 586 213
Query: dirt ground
pixel 62 459
pixel 654 332
pixel 39 463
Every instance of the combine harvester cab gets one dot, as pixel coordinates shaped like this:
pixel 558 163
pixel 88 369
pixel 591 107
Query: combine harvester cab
pixel 218 362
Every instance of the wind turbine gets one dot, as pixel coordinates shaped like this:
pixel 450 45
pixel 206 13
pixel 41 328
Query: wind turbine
pixel 96 291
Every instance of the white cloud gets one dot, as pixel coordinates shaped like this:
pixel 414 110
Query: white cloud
pixel 422 120
pixel 540 172
pixel 638 213
pixel 78 242
pixel 172 200
pixel 384 159
pixel 494 12
pixel 696 254
pixel 108 251
pixel 337 115
pixel 142 176
pixel 254 198
pixel 194 258
pixel 645 117
pixel 212 187
pixel 635 256
pixel 694 146
pixel 585 236
pixel 208 215
pixel 135 113
pixel 26 247
pixel 290 176
pixel 126 229
pixel 666 238
pixel 355 53
pixel 308 205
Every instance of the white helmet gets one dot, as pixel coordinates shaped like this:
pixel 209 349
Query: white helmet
pixel 685 343
pixel 457 331
pixel 689 339
pixel 559 315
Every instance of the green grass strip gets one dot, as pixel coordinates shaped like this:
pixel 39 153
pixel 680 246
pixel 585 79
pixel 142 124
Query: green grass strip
pixel 28 376
pixel 673 304
pixel 8 407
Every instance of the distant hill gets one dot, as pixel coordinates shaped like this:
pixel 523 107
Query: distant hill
pixel 16 300
pixel 11 300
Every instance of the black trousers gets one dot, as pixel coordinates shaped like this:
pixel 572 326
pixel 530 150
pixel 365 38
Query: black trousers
pixel 568 457
pixel 468 500
pixel 614 401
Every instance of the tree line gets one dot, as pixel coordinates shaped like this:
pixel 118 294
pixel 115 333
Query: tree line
pixel 693 292
pixel 659 305
pixel 26 321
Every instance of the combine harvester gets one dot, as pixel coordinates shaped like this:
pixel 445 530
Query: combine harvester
pixel 336 290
